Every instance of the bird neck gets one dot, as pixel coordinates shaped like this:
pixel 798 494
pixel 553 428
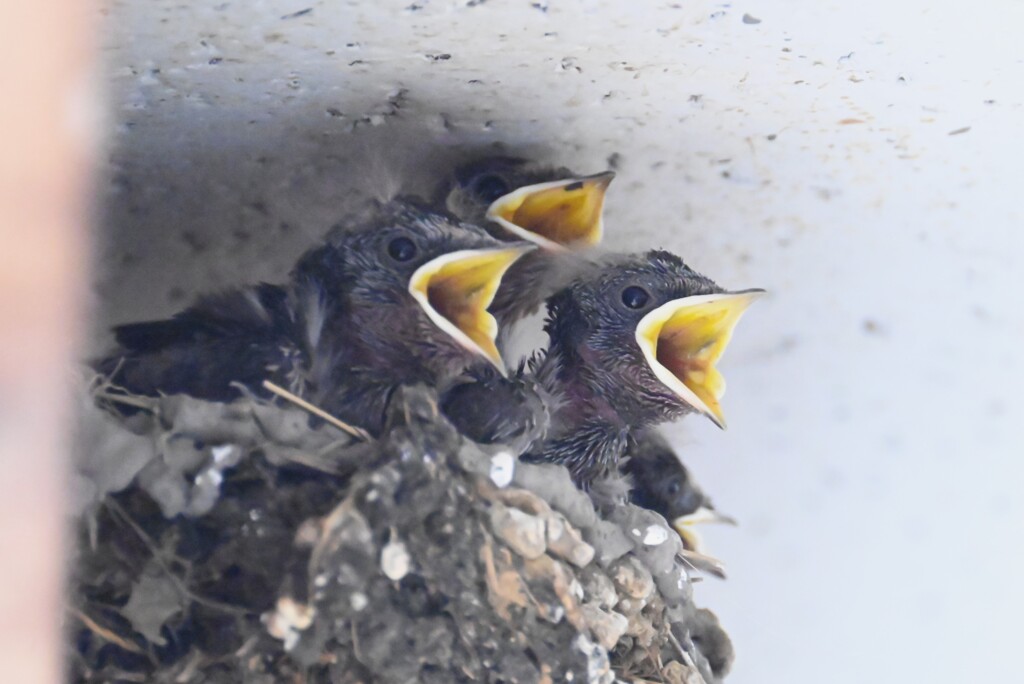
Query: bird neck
pixel 591 451
pixel 581 402
pixel 591 388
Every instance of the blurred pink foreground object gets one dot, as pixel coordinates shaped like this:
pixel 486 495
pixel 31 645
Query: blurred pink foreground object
pixel 46 136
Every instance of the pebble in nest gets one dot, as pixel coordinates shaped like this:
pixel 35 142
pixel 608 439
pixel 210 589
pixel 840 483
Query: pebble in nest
pixel 398 298
pixel 633 343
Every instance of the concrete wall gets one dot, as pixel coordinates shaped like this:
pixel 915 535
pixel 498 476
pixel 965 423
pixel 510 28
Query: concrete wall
pixel 861 161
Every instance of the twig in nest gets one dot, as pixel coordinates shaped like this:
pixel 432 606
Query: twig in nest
pixel 105 633
pixel 684 655
pixel 315 461
pixel 144 403
pixel 158 557
pixel 358 433
pixel 188 673
pixel 103 387
pixel 702 563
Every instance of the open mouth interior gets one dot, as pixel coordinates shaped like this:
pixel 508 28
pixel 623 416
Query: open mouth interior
pixel 556 215
pixel 684 339
pixel 455 290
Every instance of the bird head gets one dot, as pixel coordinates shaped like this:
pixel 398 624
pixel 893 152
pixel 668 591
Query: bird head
pixel 662 483
pixel 644 333
pixel 417 284
pixel 550 207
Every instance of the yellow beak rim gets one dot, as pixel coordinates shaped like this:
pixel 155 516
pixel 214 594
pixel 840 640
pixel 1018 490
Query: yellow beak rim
pixel 455 290
pixel 685 526
pixel 557 216
pixel 683 339
pixel 692 539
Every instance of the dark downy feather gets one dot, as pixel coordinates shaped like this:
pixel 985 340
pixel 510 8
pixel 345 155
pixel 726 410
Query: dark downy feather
pixel 243 337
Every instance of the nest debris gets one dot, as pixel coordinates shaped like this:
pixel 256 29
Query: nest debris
pixel 245 542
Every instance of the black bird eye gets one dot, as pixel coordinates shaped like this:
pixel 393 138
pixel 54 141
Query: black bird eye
pixel 402 249
pixel 673 489
pixel 635 297
pixel 490 187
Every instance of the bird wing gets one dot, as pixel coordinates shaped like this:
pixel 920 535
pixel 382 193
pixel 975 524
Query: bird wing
pixel 234 313
pixel 243 336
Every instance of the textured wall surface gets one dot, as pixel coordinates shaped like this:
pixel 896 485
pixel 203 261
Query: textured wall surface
pixel 861 161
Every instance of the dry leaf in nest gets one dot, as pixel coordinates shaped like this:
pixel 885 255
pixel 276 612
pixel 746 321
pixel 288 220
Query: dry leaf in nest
pixel 155 599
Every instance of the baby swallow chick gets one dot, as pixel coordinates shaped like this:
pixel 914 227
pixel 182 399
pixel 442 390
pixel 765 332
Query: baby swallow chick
pixel 633 343
pixel 662 483
pixel 632 346
pixel 558 210
pixel 399 298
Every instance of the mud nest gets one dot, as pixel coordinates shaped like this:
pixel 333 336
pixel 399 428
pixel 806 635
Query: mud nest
pixel 246 542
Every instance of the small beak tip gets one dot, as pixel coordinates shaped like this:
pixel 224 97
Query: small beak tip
pixel 717 420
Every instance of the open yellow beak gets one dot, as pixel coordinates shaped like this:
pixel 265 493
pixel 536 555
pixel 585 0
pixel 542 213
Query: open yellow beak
pixel 686 526
pixel 558 215
pixel 455 290
pixel 682 341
